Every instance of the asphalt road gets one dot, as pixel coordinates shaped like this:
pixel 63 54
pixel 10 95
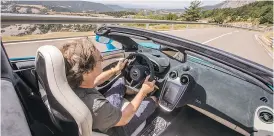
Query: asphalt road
pixel 240 42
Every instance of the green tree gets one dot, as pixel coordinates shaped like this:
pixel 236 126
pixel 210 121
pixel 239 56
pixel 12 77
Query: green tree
pixel 267 18
pixel 13 9
pixel 193 12
pixel 171 16
pixel 207 13
pixel 219 18
pixel 44 10
pixel 28 11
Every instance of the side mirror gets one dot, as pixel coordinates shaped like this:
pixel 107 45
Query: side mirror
pixel 102 39
pixel 106 41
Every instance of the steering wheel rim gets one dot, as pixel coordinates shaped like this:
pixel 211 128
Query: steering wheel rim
pixel 150 66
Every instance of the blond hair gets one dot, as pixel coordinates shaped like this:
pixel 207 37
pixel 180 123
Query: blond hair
pixel 79 59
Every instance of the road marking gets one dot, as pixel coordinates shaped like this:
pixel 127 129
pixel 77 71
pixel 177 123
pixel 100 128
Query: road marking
pixel 41 41
pixel 262 44
pixel 217 37
pixel 178 30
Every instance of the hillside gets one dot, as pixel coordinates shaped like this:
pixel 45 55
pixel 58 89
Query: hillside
pixel 59 6
pixel 229 4
pixel 210 7
pixel 116 7
pixel 74 6
pixel 259 12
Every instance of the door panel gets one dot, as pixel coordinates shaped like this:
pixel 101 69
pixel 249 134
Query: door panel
pixel 28 91
pixel 26 71
pixel 111 59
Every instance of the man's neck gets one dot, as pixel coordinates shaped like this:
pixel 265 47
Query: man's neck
pixel 88 85
pixel 88 81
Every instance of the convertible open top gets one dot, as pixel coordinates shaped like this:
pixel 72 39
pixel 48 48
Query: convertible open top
pixel 201 90
pixel 256 70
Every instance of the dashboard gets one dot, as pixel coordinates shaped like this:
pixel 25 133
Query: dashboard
pixel 225 97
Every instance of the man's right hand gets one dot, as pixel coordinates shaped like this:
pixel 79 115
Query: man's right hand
pixel 147 86
pixel 130 110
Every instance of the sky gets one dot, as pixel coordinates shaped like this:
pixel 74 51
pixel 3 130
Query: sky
pixel 150 4
pixel 158 4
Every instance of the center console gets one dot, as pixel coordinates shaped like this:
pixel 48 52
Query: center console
pixel 173 90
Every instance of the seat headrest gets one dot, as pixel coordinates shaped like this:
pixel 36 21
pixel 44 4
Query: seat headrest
pixel 50 68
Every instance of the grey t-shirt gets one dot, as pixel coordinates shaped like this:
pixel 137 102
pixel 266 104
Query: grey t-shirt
pixel 103 113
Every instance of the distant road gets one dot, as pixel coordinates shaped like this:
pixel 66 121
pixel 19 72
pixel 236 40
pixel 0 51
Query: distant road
pixel 240 42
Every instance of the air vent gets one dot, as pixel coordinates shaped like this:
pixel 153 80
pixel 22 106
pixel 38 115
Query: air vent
pixel 173 74
pixel 263 99
pixel 156 55
pixel 184 79
pixel 266 116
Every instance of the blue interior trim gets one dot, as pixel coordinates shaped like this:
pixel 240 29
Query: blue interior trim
pixel 195 59
pixel 22 58
pixel 271 87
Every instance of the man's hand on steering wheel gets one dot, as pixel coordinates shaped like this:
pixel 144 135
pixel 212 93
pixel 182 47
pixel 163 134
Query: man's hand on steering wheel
pixel 147 86
pixel 120 65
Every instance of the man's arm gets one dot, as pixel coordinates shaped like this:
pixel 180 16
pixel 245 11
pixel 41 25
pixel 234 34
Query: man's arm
pixel 106 75
pixel 133 106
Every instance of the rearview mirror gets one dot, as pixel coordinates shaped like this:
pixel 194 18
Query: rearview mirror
pixel 102 39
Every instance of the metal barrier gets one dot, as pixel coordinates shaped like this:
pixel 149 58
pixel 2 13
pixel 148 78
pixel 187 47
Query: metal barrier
pixel 8 19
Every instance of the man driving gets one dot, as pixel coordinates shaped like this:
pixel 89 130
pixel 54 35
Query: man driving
pixel 84 72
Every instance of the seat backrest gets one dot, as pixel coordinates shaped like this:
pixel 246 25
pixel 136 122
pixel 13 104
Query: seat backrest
pixel 50 68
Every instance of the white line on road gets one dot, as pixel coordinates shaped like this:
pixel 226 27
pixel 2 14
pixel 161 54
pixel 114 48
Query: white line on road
pixel 178 30
pixel 41 41
pixel 217 37
pixel 257 39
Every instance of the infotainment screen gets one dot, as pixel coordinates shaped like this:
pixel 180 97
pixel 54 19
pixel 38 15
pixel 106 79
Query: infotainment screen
pixel 171 92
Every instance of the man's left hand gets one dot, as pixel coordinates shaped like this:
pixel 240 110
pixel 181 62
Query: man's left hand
pixel 121 64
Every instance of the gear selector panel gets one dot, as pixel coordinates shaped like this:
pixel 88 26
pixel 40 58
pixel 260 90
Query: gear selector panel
pixel 173 91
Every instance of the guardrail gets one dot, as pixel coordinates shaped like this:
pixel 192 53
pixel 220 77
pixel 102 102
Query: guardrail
pixel 8 19
pixel 42 39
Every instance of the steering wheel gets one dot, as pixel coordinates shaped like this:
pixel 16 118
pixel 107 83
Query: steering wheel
pixel 135 73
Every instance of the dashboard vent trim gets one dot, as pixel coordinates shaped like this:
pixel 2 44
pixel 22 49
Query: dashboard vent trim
pixel 264 99
pixel 173 75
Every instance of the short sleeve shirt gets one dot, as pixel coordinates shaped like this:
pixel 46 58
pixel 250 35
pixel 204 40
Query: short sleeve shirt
pixel 103 113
